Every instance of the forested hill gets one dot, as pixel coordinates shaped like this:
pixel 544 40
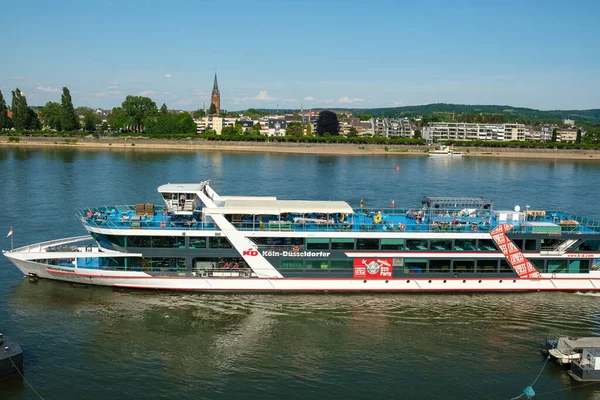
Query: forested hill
pixel 444 111
pixel 510 113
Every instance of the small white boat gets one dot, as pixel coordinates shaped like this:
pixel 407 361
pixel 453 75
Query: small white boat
pixel 444 151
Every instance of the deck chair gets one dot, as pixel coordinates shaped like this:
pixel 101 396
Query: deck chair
pixel 139 209
pixel 149 209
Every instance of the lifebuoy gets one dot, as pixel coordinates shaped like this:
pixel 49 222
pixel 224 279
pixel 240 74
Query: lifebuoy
pixel 295 249
pixel 474 228
pixel 402 227
pixel 163 225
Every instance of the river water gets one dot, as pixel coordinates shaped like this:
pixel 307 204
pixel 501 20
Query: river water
pixel 98 343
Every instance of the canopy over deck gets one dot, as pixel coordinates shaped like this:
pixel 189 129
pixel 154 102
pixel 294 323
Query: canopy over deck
pixel 259 206
pixel 182 187
pixel 457 202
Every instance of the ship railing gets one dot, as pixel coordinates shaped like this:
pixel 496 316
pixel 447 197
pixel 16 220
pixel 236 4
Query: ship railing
pixel 124 217
pixel 222 272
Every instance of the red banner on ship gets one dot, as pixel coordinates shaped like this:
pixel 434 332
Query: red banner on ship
pixel 372 268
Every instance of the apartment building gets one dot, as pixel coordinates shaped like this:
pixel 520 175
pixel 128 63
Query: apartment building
pixel 469 131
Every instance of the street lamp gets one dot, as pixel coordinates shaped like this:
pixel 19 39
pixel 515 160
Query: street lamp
pixel 527 212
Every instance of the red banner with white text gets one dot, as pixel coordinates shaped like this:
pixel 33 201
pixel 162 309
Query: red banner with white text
pixel 373 268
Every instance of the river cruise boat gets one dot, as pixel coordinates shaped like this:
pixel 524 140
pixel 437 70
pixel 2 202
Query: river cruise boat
pixel 198 240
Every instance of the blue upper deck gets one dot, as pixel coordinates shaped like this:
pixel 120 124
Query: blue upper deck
pixel 363 220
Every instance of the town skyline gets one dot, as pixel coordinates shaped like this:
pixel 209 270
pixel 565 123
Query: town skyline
pixel 336 55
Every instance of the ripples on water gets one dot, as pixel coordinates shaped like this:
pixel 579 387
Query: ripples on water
pixel 96 343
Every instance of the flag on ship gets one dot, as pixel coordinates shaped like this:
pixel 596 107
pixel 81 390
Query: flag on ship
pixel 10 232
pixel 393 204
pixel 361 203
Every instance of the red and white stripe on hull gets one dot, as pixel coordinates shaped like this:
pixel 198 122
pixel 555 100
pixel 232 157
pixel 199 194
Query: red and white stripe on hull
pixel 141 280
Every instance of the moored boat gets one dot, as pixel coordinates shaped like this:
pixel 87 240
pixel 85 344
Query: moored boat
pixel 198 240
pixel 444 151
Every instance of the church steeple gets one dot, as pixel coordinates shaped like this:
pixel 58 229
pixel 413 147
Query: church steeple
pixel 215 97
pixel 215 86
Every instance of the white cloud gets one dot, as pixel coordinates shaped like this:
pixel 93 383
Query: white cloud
pixel 264 96
pixel 347 100
pixel 47 89
pixel 167 75
pixel 147 93
pixel 309 98
pixel 290 101
pixel 114 85
pixel 398 103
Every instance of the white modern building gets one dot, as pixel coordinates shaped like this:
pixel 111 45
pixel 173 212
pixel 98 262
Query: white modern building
pixel 470 131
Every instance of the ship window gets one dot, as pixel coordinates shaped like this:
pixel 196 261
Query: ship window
pixel 487 266
pixel 218 243
pixel 197 242
pixel 168 241
pixel 139 241
pixel 167 264
pixel 317 263
pixel 439 266
pixel 342 244
pixel 441 245
pixel 416 245
pixel 539 264
pixel 518 243
pixel 589 245
pixel 279 241
pixel 505 267
pixel 463 267
pixel 486 245
pixel 530 245
pixel 392 244
pixel 415 265
pixel 367 244
pixel 317 243
pixel 464 245
pixel 292 263
pixel 117 240
pixel 342 263
pixel 579 266
pixel 557 266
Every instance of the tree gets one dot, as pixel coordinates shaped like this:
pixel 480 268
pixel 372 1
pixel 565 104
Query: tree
pixel 327 123
pixel 213 109
pixel 5 121
pixel 52 115
pixel 138 109
pixel 117 119
pixel 89 121
pixel 578 139
pixel 186 123
pixel 33 121
pixel 163 109
pixel 364 117
pixel 418 134
pixel 199 114
pixel 68 121
pixel 352 132
pixel 309 129
pixel 554 135
pixel 19 109
pixel 103 127
pixel 294 129
pixel 255 130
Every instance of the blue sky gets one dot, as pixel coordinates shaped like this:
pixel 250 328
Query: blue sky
pixel 540 54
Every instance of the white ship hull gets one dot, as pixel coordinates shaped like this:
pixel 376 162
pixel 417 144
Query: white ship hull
pixel 141 280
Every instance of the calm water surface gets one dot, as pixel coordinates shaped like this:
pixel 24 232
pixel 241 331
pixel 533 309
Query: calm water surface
pixel 97 343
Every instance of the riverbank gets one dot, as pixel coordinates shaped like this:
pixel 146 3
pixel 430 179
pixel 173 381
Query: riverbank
pixel 138 143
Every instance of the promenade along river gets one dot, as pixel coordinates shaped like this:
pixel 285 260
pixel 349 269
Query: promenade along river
pixel 96 343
